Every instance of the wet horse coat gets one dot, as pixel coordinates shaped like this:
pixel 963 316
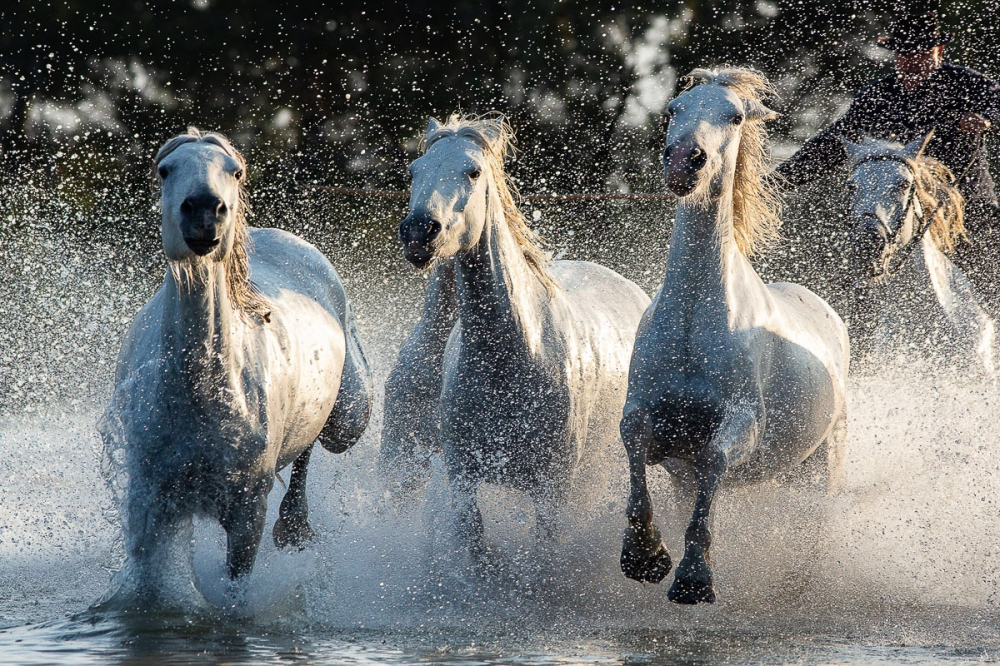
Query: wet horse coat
pixel 730 377
pixel 539 352
pixel 222 382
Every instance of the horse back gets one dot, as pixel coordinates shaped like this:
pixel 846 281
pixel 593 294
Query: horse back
pixel 283 261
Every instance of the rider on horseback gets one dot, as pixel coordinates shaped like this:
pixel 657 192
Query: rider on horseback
pixel 925 93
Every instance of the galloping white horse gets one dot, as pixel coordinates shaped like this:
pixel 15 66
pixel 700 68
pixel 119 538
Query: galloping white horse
pixel 923 298
pixel 730 377
pixel 221 381
pixel 538 356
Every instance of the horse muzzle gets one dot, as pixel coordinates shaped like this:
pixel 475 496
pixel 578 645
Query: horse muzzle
pixel 416 232
pixel 682 163
pixel 201 215
pixel 869 243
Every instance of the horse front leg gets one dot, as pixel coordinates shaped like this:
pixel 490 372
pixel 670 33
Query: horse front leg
pixel 468 519
pixel 292 527
pixel 644 556
pixel 244 526
pixel 735 439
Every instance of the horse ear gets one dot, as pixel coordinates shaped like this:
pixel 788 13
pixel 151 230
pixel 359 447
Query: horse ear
pixel 852 149
pixel 756 111
pixel 916 148
pixel 432 126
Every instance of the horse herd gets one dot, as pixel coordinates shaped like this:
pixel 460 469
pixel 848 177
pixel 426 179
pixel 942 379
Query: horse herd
pixel 249 353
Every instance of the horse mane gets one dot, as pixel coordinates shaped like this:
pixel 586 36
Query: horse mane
pixel 756 204
pixel 935 189
pixel 243 293
pixel 496 139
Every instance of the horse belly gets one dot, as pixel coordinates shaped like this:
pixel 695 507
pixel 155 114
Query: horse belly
pixel 304 377
pixel 801 401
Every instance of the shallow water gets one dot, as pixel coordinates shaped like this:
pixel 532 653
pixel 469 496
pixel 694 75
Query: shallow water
pixel 899 566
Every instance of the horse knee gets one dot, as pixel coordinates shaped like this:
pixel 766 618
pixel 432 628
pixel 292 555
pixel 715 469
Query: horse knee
pixel 347 422
pixel 634 425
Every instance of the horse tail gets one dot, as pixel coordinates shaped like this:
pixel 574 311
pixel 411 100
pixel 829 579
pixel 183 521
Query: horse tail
pixel 353 407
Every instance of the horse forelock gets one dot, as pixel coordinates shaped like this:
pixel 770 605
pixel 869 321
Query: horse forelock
pixel 935 189
pixel 244 295
pixel 756 204
pixel 494 135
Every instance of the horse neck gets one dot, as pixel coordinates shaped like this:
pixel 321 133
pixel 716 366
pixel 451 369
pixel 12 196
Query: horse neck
pixel 439 299
pixel 200 326
pixel 498 293
pixel 705 263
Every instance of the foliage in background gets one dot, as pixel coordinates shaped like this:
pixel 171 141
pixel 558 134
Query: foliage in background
pixel 338 92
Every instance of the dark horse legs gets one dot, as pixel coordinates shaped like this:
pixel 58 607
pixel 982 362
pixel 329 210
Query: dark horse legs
pixel 292 527
pixel 644 557
pixel 244 526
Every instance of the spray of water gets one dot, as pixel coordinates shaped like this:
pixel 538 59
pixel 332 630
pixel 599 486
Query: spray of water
pixel 906 549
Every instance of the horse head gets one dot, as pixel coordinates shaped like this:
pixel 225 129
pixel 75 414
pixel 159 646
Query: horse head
pixel 893 190
pixel 201 178
pixel 707 123
pixel 461 168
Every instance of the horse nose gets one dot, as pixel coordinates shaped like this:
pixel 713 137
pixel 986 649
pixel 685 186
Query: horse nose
pixel 869 240
pixel 200 217
pixel 682 162
pixel 416 232
pixel 204 207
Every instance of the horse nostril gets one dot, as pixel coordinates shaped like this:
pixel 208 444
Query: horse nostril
pixel 221 209
pixel 434 230
pixel 698 158
pixel 187 207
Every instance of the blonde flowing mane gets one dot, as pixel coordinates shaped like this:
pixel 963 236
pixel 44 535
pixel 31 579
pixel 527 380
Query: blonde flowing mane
pixel 244 294
pixel 937 192
pixel 756 204
pixel 496 139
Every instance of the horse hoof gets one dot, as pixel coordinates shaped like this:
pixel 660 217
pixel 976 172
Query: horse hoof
pixel 692 584
pixel 643 561
pixel 292 533
pixel 691 592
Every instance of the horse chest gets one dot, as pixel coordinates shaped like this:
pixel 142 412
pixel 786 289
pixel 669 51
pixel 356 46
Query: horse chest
pixel 504 422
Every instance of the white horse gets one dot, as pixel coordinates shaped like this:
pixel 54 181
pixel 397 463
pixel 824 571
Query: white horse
pixel 221 381
pixel 411 430
pixel 730 377
pixel 538 356
pixel 921 297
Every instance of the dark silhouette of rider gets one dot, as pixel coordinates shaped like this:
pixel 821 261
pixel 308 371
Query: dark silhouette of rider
pixel 924 93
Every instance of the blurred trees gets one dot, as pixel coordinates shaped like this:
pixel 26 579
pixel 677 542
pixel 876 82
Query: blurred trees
pixel 338 92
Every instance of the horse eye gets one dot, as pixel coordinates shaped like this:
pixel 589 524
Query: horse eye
pixel 238 175
pixel 738 119
pixel 162 171
pixel 474 174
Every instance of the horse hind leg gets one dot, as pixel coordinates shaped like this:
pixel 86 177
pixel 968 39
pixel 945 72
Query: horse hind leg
pixel 292 527
pixel 353 407
pixel 644 556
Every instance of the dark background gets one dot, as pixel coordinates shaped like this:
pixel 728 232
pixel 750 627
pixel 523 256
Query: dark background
pixel 337 92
